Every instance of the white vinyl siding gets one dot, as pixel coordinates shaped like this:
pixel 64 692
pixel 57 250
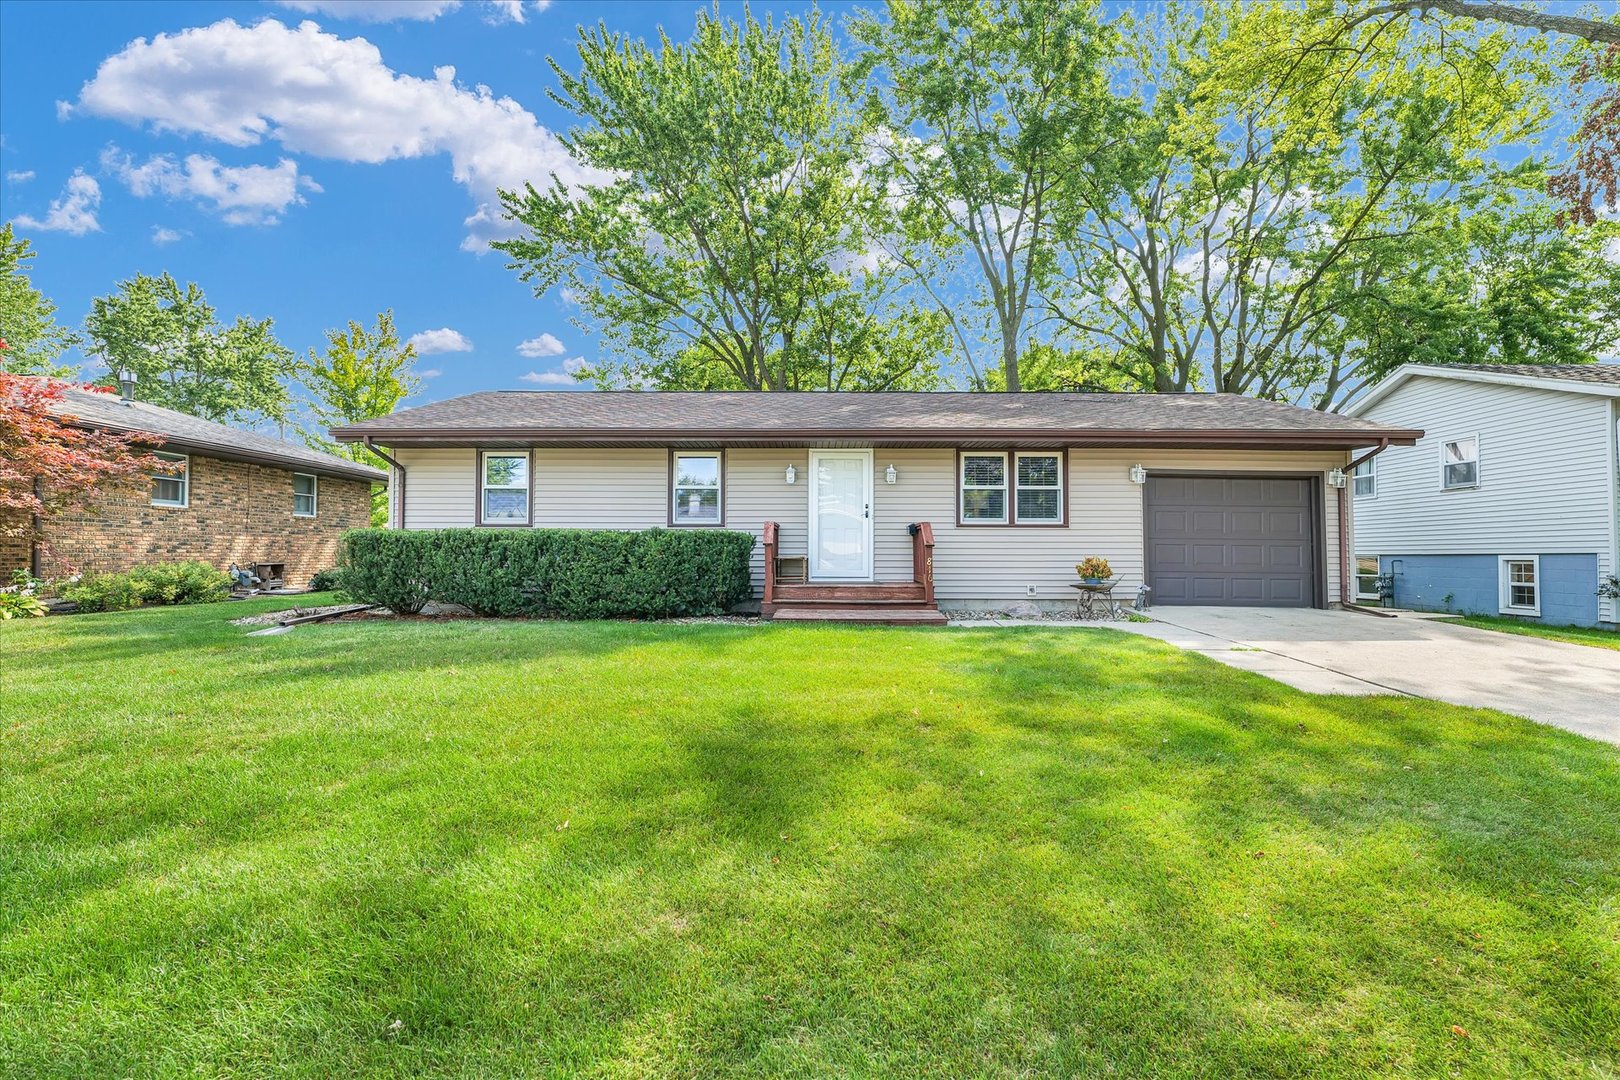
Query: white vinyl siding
pixel 601 489
pixel 1543 467
pixel 441 487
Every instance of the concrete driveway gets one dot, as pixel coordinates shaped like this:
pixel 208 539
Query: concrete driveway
pixel 1344 652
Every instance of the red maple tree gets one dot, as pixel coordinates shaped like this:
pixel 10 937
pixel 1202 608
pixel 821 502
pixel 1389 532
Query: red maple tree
pixel 48 466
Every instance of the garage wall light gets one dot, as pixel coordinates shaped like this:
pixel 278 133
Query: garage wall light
pixel 1138 474
pixel 792 474
pixel 889 475
pixel 1336 478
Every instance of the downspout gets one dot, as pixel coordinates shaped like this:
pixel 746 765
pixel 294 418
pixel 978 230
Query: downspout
pixel 1614 504
pixel 398 469
pixel 36 530
pixel 1346 596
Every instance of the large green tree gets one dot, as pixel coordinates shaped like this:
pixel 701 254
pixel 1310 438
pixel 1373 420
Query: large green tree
pixel 184 358
pixel 729 240
pixel 360 375
pixel 990 110
pixel 35 341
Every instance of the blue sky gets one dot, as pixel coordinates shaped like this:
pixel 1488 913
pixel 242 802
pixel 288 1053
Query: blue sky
pixel 312 193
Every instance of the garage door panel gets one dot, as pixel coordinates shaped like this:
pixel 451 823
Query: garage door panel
pixel 1231 540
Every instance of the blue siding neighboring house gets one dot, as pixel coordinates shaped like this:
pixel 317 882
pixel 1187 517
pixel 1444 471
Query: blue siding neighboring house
pixel 1509 504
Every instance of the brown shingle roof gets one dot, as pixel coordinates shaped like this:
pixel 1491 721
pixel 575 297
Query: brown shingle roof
pixel 183 432
pixel 953 418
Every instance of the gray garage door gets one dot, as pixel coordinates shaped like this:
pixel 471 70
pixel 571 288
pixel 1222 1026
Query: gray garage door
pixel 1231 540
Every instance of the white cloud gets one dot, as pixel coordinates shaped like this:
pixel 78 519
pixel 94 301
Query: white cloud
pixel 430 373
pixel 442 340
pixel 547 378
pixel 316 93
pixel 162 235
pixel 74 213
pixel 574 364
pixel 245 195
pixel 374 11
pixel 20 176
pixel 544 345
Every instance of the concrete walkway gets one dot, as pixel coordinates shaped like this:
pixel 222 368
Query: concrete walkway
pixel 1576 687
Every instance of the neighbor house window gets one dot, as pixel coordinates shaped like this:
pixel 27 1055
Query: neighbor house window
pixel 1367 578
pixel 1459 463
pixel 303 494
pixel 695 489
pixel 1365 478
pixel 505 489
pixel 172 488
pixel 1038 494
pixel 1520 584
pixel 984 489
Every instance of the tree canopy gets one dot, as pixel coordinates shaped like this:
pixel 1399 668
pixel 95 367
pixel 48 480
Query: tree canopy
pixel 35 341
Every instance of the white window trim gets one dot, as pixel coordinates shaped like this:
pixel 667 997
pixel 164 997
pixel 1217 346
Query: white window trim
pixel 1356 576
pixel 1005 487
pixel 719 457
pixel 1504 595
pixel 1479 472
pixel 314 495
pixel 1012 478
pixel 527 488
pixel 184 477
pixel 1371 465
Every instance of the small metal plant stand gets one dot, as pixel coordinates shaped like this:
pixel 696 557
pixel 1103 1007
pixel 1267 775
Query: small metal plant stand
pixel 1096 600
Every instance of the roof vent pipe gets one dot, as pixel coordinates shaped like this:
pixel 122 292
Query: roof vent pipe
pixel 126 386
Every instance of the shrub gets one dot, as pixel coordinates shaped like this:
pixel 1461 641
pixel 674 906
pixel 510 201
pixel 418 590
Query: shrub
pixel 16 604
pixel 324 580
pixel 572 573
pixel 159 583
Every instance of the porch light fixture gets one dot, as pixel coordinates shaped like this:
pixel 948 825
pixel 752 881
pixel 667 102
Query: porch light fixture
pixel 889 475
pixel 792 474
pixel 1336 478
pixel 1138 474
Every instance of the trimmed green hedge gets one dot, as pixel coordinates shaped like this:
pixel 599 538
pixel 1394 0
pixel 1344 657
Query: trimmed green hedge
pixel 571 573
pixel 156 583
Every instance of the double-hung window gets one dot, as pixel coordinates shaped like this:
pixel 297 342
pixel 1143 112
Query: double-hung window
pixel 304 489
pixel 173 486
pixel 695 495
pixel 1459 463
pixel 1367 578
pixel 1364 479
pixel 1520 584
pixel 1002 488
pixel 504 488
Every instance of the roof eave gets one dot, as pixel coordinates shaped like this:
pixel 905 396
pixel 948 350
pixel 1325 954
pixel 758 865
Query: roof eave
pixel 204 448
pixel 1462 374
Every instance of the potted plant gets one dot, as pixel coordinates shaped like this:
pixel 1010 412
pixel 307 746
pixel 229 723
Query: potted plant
pixel 1093 570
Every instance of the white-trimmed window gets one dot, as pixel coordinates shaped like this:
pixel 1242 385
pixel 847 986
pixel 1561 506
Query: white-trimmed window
pixel 1520 577
pixel 504 483
pixel 1367 578
pixel 172 488
pixel 1364 479
pixel 695 489
pixel 1459 462
pixel 984 489
pixel 1038 489
pixel 305 487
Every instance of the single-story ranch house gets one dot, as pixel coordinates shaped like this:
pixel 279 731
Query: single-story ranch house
pixel 1509 505
pixel 237 497
pixel 1206 498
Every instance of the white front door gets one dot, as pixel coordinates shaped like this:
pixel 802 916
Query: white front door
pixel 841 515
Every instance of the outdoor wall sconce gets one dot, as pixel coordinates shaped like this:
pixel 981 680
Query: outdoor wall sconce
pixel 1336 478
pixel 1138 474
pixel 792 474
pixel 889 475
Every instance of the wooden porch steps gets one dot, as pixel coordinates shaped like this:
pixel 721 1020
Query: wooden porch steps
pixel 880 615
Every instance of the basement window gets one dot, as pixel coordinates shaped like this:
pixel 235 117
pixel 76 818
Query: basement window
pixel 172 488
pixel 304 489
pixel 1520 584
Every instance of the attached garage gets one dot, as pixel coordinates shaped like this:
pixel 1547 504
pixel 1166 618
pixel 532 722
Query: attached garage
pixel 1249 541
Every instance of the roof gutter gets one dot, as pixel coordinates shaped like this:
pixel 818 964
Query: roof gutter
pixel 399 470
pixel 1345 595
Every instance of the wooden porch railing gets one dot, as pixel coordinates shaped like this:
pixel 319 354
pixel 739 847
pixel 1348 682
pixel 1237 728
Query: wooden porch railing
pixel 771 531
pixel 922 559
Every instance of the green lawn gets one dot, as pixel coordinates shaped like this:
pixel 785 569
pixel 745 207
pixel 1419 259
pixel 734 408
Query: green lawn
pixel 1579 635
pixel 524 849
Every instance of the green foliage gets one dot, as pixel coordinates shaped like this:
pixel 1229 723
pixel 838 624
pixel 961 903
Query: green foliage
pixel 1094 567
pixel 18 604
pixel 722 242
pixel 186 582
pixel 571 573
pixel 34 340
pixel 325 580
pixel 182 356
pixel 363 374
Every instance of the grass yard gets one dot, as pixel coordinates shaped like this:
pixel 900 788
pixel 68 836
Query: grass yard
pixel 1577 635
pixel 605 850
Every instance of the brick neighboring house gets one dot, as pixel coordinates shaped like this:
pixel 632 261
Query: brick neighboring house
pixel 243 498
